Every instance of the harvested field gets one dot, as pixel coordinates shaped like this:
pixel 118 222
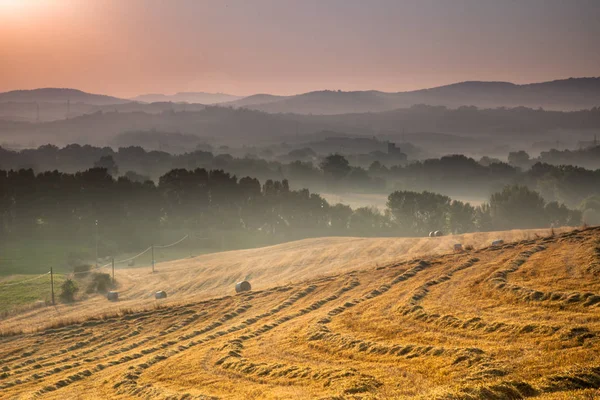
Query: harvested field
pixel 352 318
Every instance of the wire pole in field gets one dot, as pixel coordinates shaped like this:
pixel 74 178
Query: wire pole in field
pixel 113 270
pixel 153 258
pixel 96 244
pixel 52 284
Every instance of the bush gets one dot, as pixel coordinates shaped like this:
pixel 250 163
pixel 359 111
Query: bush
pixel 68 290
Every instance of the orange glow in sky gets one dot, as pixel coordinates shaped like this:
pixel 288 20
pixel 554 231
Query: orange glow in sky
pixel 130 47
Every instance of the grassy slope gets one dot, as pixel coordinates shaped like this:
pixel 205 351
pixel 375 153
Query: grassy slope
pixel 20 291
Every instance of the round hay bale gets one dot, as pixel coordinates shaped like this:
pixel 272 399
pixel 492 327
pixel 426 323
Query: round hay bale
pixel 112 296
pixel 438 233
pixel 243 286
pixel 161 294
pixel 431 234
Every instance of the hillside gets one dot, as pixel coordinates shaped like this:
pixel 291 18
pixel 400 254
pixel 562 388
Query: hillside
pixel 213 274
pixel 57 95
pixel 515 321
pixel 187 97
pixel 566 94
pixel 255 100
pixel 495 126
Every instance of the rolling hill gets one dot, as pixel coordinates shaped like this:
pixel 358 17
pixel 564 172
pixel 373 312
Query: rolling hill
pixel 187 97
pixel 352 318
pixel 57 95
pixel 566 94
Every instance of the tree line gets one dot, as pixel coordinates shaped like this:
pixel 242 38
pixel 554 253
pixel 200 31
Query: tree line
pixel 452 175
pixel 130 214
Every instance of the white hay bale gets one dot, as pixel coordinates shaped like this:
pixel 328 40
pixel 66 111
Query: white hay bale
pixel 243 286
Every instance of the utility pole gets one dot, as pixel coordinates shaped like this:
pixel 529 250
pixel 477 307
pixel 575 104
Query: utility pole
pixel 113 270
pixel 152 258
pixel 52 284
pixel 96 244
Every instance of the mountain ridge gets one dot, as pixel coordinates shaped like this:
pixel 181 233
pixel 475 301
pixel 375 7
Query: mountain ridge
pixel 187 97
pixel 56 95
pixel 562 94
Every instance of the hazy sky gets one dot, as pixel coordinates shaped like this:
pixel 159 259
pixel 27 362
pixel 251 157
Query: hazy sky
pixel 130 47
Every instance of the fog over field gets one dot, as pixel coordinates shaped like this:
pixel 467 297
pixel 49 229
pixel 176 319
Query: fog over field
pixel 301 199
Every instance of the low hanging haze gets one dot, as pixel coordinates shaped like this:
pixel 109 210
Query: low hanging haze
pixel 129 47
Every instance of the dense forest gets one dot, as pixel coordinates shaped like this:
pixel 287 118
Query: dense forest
pixel 456 176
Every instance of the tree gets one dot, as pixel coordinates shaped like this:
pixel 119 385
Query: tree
pixel 339 217
pixel 517 207
pixel 108 163
pixel 418 213
pixel 367 221
pixel 590 209
pixel 335 166
pixel 68 290
pixel 483 218
pixel 519 159
pixel 461 217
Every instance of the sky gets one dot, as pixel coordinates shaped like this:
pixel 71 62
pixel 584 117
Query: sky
pixel 131 47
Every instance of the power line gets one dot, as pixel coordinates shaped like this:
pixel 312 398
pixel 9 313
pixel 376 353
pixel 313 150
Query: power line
pixel 172 244
pixel 25 281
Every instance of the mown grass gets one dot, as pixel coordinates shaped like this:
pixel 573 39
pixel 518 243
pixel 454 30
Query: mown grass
pixel 437 325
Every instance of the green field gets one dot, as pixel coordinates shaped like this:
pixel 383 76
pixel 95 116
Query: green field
pixel 24 260
pixel 14 294
pixel 37 256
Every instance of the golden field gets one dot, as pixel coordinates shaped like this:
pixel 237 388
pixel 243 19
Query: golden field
pixel 330 318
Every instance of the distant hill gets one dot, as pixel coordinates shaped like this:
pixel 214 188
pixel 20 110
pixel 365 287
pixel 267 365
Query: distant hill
pixel 188 97
pixel 38 111
pixel 256 100
pixel 54 95
pixel 243 126
pixel 567 94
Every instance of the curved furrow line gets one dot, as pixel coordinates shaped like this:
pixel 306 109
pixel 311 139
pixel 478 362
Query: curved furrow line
pixel 499 280
pixel 418 312
pixel 127 358
pixel 422 291
pixel 38 364
pixel 576 379
pixel 129 383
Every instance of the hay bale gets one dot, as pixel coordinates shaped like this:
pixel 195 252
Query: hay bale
pixel 243 286
pixel 161 294
pixel 112 296
pixel 438 233
pixel 431 234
